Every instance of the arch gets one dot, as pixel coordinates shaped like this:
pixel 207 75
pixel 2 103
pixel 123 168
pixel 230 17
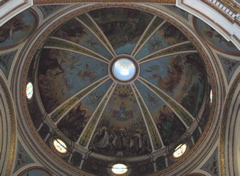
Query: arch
pixel 7 129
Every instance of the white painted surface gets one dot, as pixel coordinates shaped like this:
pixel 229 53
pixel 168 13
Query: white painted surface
pixel 12 8
pixel 198 8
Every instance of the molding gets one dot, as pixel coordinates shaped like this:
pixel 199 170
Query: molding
pixel 229 140
pixel 91 1
pixel 229 29
pixel 3 2
pixel 45 155
pixel 8 129
pixel 11 8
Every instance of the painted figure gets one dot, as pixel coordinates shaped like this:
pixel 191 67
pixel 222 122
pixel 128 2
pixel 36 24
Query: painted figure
pixel 136 142
pixel 101 138
pixel 12 26
pixel 73 124
pixel 174 74
pixel 119 141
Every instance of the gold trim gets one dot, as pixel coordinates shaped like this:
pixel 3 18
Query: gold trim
pixel 53 26
pixel 7 93
pixel 35 168
pixel 235 8
pixel 74 1
pixel 224 126
pixel 231 4
pixel 15 9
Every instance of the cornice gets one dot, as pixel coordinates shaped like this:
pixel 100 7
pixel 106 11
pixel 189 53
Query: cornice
pixel 10 130
pixel 11 8
pixel 75 1
pixel 225 145
pixel 216 15
pixel 3 2
pixel 232 5
pixel 227 8
pixel 35 46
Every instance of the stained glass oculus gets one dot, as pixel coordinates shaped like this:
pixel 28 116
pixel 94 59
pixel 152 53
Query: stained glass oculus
pixel 60 146
pixel 29 90
pixel 119 169
pixel 179 150
pixel 123 69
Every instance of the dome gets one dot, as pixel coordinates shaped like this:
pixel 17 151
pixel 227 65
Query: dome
pixel 133 88
pixel 119 85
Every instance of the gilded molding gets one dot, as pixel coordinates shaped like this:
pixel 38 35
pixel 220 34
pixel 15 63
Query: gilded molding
pixel 35 168
pixel 74 1
pixel 66 106
pixel 84 139
pixel 232 6
pixel 224 125
pixel 157 144
pixel 53 26
pixel 13 126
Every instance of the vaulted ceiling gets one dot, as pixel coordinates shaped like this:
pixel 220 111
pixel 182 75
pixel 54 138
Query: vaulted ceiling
pixel 182 83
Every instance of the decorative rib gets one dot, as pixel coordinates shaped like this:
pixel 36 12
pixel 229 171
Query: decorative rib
pixel 65 107
pixel 183 47
pixel 70 46
pixel 85 138
pixel 154 25
pixel 156 140
pixel 88 22
pixel 180 111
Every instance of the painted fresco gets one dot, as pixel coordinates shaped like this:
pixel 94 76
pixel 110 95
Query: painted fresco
pixel 141 168
pixel 49 9
pixel 229 66
pixel 44 131
pixel 205 116
pixel 35 171
pixel 83 103
pixel 22 157
pixel 96 166
pixel 182 77
pixel 59 68
pixel 76 32
pixel 178 11
pixel 32 104
pixel 74 122
pixel 212 165
pixel 195 174
pixel 122 26
pixel 214 38
pixel 160 163
pixel 35 113
pixel 76 159
pixel 121 130
pixel 17 29
pixel 165 36
pixel 167 123
pixel 196 135
pixel 6 62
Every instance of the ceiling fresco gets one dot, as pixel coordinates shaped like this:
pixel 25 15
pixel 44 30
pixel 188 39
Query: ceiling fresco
pixel 122 26
pixel 212 166
pixel 49 9
pixel 229 66
pixel 23 157
pixel 60 68
pixel 17 29
pixel 214 38
pixel 35 171
pixel 98 114
pixel 6 61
